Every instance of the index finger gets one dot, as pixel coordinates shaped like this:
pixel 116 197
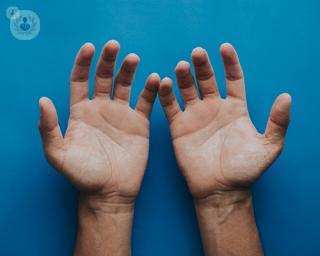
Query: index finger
pixel 79 80
pixel 233 72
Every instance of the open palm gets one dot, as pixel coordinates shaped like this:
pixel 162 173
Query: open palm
pixel 216 145
pixel 105 148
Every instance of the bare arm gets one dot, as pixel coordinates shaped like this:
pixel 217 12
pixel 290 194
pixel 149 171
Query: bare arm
pixel 104 228
pixel 228 228
pixel 104 152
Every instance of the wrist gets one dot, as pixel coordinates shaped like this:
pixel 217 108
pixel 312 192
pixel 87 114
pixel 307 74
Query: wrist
pixel 106 204
pixel 219 199
pixel 227 225
pixel 104 227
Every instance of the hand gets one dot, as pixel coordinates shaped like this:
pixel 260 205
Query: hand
pixel 217 147
pixel 104 152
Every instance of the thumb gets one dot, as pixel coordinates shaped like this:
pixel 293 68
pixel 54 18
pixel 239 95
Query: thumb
pixel 279 119
pixel 51 136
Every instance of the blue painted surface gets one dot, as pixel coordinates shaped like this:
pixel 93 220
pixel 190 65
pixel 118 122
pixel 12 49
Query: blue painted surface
pixel 278 46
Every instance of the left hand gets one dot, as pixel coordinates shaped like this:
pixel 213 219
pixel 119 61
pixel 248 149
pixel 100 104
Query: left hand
pixel 217 147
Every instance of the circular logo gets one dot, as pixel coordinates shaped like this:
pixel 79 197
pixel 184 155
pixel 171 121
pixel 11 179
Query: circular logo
pixel 26 26
pixel 12 12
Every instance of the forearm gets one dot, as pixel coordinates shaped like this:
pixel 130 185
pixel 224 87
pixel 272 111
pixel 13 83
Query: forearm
pixel 228 227
pixel 104 228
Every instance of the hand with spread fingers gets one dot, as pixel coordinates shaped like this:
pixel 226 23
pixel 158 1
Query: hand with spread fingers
pixel 219 151
pixel 105 149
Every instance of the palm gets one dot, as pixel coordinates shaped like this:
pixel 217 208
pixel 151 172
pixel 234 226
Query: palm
pixel 222 149
pixel 105 148
pixel 216 145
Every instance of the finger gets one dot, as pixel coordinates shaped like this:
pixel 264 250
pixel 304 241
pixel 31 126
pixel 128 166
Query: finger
pixel 51 136
pixel 233 72
pixel 279 119
pixel 148 95
pixel 204 73
pixel 168 101
pixel 186 84
pixel 79 81
pixel 124 78
pixel 105 69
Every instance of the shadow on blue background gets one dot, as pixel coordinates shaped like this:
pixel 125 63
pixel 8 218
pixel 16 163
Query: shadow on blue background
pixel 278 46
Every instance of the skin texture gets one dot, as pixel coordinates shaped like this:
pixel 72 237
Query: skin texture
pixel 105 149
pixel 219 151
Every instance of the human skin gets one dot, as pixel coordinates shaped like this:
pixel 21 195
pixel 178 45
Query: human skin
pixel 105 149
pixel 219 151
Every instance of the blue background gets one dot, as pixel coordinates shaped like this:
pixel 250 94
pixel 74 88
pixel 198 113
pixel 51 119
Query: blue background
pixel 278 46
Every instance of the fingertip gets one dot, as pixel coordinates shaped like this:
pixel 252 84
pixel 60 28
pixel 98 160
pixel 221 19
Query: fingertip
pixel 42 100
pixel 153 82
pixel 283 101
pixel 165 86
pixel 132 60
pixel 44 103
pixel 182 68
pixel 85 55
pixel 183 64
pixel 226 47
pixel 113 44
pixel 198 50
pixel 227 51
pixel 111 49
pixel 48 114
pixel 88 49
pixel 154 74
pixel 199 56
pixel 279 119
pixel 166 81
pixel 154 78
pixel 40 104
pixel 89 45
pixel 282 107
pixel 280 111
pixel 133 56
pixel 285 97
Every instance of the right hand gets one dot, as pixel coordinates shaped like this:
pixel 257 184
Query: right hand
pixel 104 152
